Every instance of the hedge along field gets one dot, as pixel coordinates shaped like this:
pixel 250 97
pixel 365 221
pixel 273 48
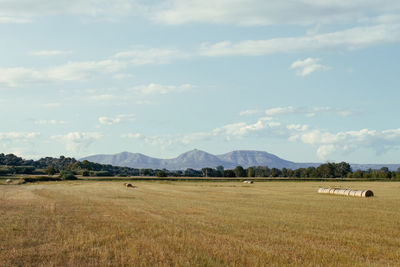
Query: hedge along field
pixel 198 224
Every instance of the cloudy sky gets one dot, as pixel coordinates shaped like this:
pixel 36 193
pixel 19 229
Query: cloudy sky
pixel 307 80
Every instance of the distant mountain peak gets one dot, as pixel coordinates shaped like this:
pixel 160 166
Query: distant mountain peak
pixel 197 159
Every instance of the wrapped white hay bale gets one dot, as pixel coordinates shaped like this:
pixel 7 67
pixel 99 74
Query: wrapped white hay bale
pixel 346 192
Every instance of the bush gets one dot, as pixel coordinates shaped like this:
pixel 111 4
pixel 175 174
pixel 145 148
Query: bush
pixel 85 173
pixel 102 173
pixel 161 174
pixel 67 175
pixel 5 171
pixel 229 173
pixel 37 179
pixel 24 169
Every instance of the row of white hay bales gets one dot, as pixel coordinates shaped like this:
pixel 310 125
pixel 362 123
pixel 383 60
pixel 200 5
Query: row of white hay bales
pixel 346 192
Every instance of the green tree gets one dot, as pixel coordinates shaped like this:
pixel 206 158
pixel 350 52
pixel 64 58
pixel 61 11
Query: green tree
pixel 275 172
pixel 285 172
pixel 207 172
pixel 342 169
pixel 51 170
pixel 161 173
pixel 220 170
pixel 251 172
pixel 229 173
pixel 385 173
pixel 239 171
pixel 326 170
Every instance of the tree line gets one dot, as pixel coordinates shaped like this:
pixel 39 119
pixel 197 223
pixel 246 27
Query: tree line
pixel 11 164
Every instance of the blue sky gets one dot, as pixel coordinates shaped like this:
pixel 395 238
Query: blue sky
pixel 307 80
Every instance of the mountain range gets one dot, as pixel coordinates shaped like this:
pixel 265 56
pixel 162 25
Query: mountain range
pixel 197 159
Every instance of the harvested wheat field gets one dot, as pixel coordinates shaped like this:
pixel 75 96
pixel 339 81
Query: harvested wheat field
pixel 198 224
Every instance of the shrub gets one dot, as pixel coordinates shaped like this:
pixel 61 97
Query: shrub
pixel 102 173
pixel 37 179
pixel 67 175
pixel 161 174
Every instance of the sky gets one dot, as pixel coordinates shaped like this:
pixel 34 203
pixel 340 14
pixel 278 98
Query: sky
pixel 306 80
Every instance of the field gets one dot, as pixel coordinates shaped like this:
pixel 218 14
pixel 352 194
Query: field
pixel 198 224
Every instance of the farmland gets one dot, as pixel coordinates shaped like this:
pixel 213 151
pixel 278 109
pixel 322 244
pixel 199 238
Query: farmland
pixel 198 224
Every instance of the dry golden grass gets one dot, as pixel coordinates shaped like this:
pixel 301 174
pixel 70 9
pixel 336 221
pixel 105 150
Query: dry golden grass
pixel 198 224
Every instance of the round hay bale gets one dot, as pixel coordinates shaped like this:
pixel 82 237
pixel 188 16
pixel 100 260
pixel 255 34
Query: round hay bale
pixel 367 193
pixel 340 191
pixel 8 181
pixel 358 193
pixel 347 192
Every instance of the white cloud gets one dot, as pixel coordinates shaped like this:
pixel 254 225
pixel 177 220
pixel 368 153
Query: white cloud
pixel 49 122
pixel 264 12
pixel 8 19
pixel 24 152
pixel 326 143
pixel 160 141
pixel 238 130
pixel 154 88
pixel 281 110
pixel 118 119
pixel 133 136
pixel 297 127
pixel 76 141
pixel 308 66
pixel 249 112
pixel 18 136
pixel 175 12
pixel 145 55
pixel 349 141
pixel 24 140
pixel 325 150
pixel 83 70
pixel 72 71
pixel 121 76
pixel 309 111
pixel 27 10
pixel 353 38
pixel 242 129
pixel 49 53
